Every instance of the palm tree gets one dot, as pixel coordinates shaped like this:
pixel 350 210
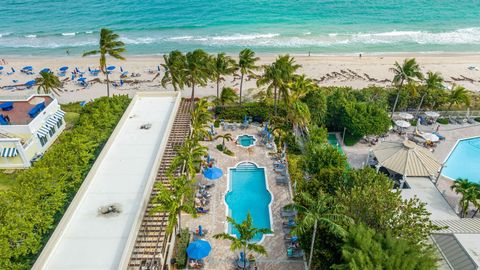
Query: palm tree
pixel 298 112
pixel 228 95
pixel 225 137
pixel 197 67
pixel 244 241
pixel 470 194
pixel 174 69
pixel 314 212
pixel 406 72
pixel 200 117
pixel 109 44
pixel 458 95
pixel 433 81
pixel 246 65
pixel 277 75
pixel 222 65
pixel 171 200
pixel 47 83
pixel 190 154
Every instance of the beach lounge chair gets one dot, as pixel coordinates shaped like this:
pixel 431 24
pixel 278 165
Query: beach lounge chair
pixel 79 72
pixel 6 106
pixel 289 224
pixel 1 70
pixel 281 180
pixel 11 73
pixel 286 213
pixel 201 210
pixel 471 120
pixel 452 119
pixel 442 138
pixel 36 110
pixel 3 120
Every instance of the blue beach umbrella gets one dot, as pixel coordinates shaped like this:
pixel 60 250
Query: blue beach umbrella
pixel 27 68
pixel 1 68
pixel 110 68
pixel 212 173
pixel 198 249
pixel 30 83
pixel 45 70
pixel 82 79
pixel 64 68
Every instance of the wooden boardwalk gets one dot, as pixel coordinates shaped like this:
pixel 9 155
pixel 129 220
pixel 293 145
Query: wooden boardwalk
pixel 150 246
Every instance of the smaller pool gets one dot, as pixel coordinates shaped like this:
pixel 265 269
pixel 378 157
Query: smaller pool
pixel 332 140
pixel 246 140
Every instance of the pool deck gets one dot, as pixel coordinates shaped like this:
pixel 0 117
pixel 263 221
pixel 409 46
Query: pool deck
pixel 221 257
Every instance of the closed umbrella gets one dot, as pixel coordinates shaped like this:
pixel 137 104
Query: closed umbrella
pixel 198 249
pixel 402 124
pixel 405 116
pixel 432 114
pixel 212 173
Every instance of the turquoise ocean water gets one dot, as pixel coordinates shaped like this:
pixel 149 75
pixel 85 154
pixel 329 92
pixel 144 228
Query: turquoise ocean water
pixel 40 27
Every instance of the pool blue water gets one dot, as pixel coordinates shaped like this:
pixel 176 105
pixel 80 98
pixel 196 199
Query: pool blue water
pixel 332 139
pixel 248 194
pixel 246 140
pixel 464 161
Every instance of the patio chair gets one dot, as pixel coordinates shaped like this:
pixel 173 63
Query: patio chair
pixel 289 224
pixel 442 138
pixel 293 253
pixel 452 119
pixel 201 210
pixel 471 120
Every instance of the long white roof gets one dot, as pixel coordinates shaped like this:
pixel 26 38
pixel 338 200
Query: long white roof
pixel 122 175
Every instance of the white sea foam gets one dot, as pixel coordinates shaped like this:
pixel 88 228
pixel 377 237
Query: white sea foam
pixel 139 40
pixel 88 32
pixel 5 34
pixel 68 34
pixel 30 36
pixel 236 37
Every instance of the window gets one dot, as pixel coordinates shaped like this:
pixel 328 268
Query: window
pixel 51 131
pixel 43 140
pixel 59 122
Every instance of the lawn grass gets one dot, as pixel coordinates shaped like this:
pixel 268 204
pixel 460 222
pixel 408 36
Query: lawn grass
pixel 7 179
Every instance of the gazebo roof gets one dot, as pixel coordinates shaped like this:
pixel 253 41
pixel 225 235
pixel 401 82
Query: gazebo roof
pixel 406 158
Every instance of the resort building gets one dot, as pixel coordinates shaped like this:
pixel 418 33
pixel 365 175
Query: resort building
pixel 27 128
pixel 104 225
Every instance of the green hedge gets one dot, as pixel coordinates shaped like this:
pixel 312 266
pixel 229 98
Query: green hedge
pixel 31 208
pixel 181 248
pixel 443 121
pixel 258 111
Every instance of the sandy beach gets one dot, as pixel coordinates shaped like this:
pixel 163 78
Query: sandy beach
pixel 353 71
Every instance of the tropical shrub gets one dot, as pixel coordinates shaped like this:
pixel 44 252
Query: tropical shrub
pixel 317 104
pixel 31 208
pixel 180 248
pixel 258 111
pixel 366 249
pixel 443 121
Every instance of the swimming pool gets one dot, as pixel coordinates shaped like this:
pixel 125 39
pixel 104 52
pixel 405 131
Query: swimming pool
pixel 246 140
pixel 248 192
pixel 332 139
pixel 464 160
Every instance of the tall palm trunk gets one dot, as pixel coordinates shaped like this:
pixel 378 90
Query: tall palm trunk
pixel 193 96
pixel 275 99
pixel 420 105
pixel 218 87
pixel 108 85
pixel 396 99
pixel 241 86
pixel 309 267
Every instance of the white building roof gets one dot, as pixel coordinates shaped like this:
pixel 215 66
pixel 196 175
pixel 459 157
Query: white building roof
pixel 426 191
pixel 122 175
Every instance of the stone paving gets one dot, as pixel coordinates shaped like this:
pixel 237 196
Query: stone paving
pixel 357 154
pixel 221 257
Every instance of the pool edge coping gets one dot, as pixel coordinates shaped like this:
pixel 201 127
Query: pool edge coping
pixel 269 204
pixel 450 153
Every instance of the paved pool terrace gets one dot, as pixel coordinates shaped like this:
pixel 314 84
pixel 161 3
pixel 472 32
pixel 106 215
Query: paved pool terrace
pixel 221 258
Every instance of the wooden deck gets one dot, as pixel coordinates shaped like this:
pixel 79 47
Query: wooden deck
pixel 151 243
